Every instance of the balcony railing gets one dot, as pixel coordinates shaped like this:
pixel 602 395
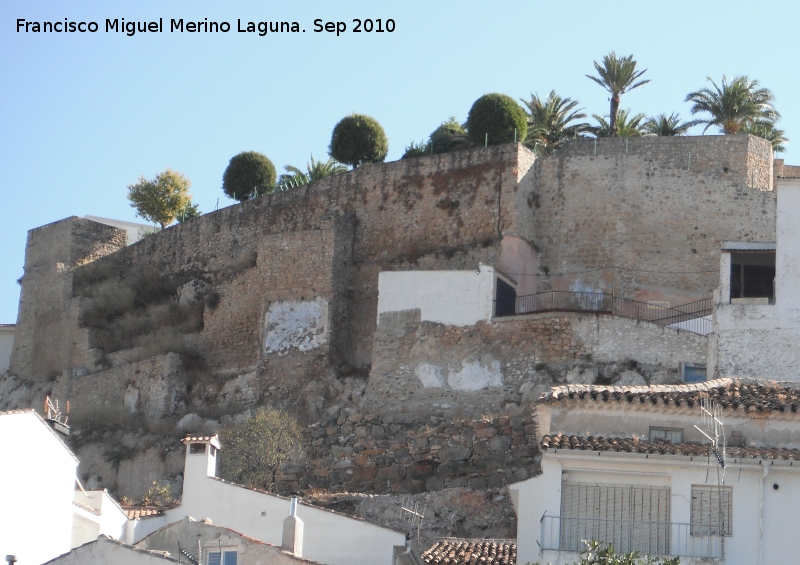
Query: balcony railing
pixel 651 538
pixel 689 317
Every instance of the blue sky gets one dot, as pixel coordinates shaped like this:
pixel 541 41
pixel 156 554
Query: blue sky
pixel 83 115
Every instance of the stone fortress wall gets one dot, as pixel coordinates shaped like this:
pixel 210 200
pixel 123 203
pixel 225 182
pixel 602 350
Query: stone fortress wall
pixel 294 277
pixel 644 218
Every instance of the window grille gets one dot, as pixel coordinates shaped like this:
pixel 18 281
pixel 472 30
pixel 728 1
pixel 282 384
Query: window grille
pixel 711 510
pixel 631 518
pixel 222 558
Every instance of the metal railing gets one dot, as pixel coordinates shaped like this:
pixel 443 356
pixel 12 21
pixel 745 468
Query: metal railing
pixel 689 317
pixel 651 538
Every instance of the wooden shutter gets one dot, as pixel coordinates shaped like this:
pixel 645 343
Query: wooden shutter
pixel 711 512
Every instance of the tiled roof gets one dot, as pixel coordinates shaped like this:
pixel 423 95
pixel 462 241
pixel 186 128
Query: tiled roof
pixel 189 439
pixel 471 552
pixel 736 394
pixel 630 445
pixel 135 512
pixel 88 509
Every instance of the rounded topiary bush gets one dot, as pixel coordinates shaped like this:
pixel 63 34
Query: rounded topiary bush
pixel 498 116
pixel 358 139
pixel 248 174
pixel 449 136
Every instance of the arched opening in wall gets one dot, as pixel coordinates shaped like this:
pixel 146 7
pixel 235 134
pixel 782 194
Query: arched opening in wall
pixel 505 299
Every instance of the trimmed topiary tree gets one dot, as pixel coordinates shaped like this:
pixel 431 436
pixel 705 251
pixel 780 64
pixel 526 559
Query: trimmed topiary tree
pixel 249 174
pixel 498 116
pixel 358 139
pixel 450 136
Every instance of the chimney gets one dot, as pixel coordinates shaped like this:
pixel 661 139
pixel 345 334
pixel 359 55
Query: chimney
pixel 293 531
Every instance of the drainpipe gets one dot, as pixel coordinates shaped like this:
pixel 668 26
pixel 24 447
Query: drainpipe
pixel 762 492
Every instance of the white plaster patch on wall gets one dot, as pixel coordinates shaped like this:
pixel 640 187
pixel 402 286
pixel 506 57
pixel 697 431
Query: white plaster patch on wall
pixel 476 376
pixel 430 375
pixel 296 325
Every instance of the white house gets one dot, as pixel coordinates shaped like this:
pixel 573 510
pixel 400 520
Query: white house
pixel 625 465
pixel 325 536
pixel 212 544
pixel 757 306
pixel 108 551
pixel 45 515
pixel 38 478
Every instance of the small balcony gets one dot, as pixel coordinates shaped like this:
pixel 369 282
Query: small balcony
pixel 564 534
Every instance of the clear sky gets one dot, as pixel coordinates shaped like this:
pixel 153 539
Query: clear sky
pixel 82 115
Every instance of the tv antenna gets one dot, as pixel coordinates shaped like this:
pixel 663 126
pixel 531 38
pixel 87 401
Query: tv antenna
pixel 412 514
pixel 714 430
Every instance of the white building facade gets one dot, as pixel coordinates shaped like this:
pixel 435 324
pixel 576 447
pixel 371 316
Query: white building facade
pixel 757 321
pixel 625 465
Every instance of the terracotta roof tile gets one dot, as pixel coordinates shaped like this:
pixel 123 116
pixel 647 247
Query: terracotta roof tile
pixel 471 552
pixel 135 512
pixel 189 439
pixel 630 445
pixel 736 394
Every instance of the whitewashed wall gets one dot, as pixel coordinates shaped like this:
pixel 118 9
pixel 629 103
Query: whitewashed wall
pixel 457 298
pixel 87 525
pixel 755 502
pixel 761 341
pixel 37 473
pixel 105 551
pixel 329 537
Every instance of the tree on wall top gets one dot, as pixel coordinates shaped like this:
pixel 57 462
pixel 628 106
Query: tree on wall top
pixel 358 139
pixel 739 106
pixel 162 199
pixel 496 119
pixel 617 75
pixel 552 121
pixel 249 174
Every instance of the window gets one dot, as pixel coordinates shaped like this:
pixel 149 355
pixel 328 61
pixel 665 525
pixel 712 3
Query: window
pixel 197 448
pixel 672 435
pixel 221 558
pixel 631 518
pixel 711 510
pixel 693 372
pixel 753 275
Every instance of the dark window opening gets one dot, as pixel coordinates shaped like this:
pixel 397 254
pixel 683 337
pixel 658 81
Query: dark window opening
pixel 197 448
pixel 506 299
pixel 753 275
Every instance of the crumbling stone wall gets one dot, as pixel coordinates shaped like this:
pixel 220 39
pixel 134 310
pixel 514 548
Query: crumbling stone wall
pixel 403 453
pixel 644 217
pixel 47 339
pixel 431 368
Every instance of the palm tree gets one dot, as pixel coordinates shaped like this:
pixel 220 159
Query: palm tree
pixel 627 126
pixel 617 75
pixel 664 125
pixel 315 170
pixel 733 106
pixel 551 122
pixel 766 129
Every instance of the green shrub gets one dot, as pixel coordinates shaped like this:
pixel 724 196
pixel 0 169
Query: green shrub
pixel 358 139
pixel 500 117
pixel 450 136
pixel 416 150
pixel 249 174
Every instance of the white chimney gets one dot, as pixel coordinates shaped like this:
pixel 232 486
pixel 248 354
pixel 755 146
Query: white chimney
pixel 293 531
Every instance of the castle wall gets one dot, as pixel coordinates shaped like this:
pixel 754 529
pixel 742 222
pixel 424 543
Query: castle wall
pixel 44 339
pixel 425 367
pixel 644 217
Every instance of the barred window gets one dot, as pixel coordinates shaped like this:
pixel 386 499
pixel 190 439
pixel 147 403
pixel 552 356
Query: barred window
pixel 711 510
